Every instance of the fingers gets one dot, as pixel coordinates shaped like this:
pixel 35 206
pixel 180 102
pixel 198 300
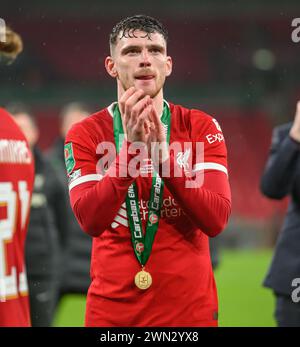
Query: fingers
pixel 147 126
pixel 131 105
pixel 143 118
pixel 124 98
pixel 295 129
pixel 132 101
pixel 139 107
pixel 155 118
pixel 158 126
pixel 297 115
pixel 139 116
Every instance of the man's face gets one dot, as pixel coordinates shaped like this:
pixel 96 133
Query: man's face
pixel 28 127
pixel 141 61
pixel 71 118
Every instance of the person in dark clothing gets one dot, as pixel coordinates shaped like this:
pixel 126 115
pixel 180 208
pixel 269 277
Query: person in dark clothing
pixel 76 276
pixel 47 229
pixel 214 248
pixel 281 178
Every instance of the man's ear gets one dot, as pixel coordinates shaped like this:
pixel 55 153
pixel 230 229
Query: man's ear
pixel 169 66
pixel 111 67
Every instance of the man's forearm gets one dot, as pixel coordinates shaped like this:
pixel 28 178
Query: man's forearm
pixel 96 205
pixel 209 205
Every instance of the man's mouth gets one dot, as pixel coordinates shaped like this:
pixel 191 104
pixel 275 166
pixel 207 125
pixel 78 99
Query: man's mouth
pixel 145 77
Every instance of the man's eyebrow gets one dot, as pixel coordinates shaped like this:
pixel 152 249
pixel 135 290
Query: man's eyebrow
pixel 137 47
pixel 156 46
pixel 128 48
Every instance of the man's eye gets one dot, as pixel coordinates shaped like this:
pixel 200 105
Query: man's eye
pixel 132 51
pixel 154 50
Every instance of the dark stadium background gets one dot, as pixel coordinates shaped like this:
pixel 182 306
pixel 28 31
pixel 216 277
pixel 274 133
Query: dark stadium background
pixel 232 59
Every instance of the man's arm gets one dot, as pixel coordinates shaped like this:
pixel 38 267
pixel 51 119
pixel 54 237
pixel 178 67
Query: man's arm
pixel 95 204
pixel 208 206
pixel 96 199
pixel 279 176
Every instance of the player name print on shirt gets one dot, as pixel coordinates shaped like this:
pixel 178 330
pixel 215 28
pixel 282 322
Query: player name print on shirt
pixel 14 151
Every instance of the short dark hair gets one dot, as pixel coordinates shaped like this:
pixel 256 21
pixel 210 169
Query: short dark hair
pixel 140 22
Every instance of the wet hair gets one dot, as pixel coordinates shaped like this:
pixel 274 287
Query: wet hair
pixel 12 47
pixel 128 26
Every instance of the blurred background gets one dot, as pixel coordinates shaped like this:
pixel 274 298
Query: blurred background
pixel 232 59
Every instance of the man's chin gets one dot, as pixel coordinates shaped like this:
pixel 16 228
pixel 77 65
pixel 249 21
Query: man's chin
pixel 148 90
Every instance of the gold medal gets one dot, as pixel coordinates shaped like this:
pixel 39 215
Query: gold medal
pixel 143 279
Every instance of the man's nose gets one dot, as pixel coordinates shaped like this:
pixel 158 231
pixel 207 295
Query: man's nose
pixel 145 59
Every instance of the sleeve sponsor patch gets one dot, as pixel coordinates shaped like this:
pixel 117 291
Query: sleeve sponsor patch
pixel 73 176
pixel 69 157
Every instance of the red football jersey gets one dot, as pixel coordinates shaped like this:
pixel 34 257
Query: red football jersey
pixel 183 292
pixel 16 182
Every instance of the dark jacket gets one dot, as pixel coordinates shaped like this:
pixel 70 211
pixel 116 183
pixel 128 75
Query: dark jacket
pixel 76 277
pixel 47 226
pixel 282 178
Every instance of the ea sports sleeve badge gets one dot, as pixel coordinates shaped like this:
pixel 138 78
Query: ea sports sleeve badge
pixel 69 157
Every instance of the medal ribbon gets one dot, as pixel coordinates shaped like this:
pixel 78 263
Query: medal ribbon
pixel 142 244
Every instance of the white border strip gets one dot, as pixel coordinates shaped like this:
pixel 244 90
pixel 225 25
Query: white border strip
pixel 111 107
pixel 122 212
pixel 210 166
pixel 121 220
pixel 83 179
